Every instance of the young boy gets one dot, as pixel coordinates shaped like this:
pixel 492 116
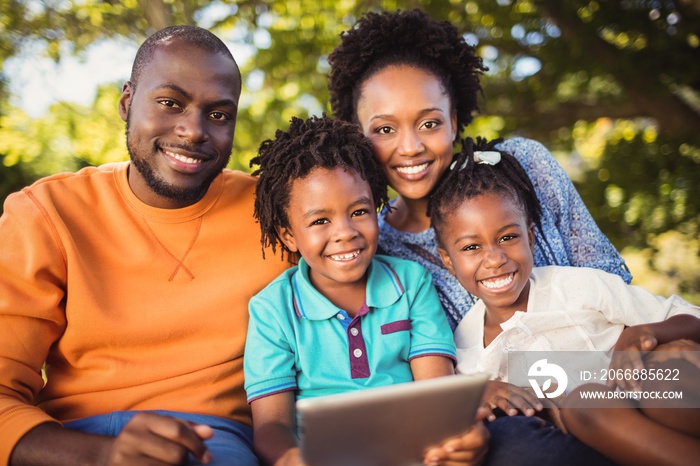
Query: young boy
pixel 484 213
pixel 343 319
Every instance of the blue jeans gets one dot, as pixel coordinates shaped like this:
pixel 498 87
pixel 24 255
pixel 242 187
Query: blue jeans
pixel 232 442
pixel 531 441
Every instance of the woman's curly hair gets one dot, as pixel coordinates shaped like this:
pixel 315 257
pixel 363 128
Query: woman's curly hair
pixel 404 38
pixel 467 179
pixel 309 144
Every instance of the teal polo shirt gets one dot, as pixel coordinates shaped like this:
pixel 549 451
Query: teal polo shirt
pixel 298 340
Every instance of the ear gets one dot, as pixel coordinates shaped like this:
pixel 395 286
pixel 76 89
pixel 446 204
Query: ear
pixel 286 236
pixel 531 238
pixel 453 119
pixel 125 99
pixel 447 261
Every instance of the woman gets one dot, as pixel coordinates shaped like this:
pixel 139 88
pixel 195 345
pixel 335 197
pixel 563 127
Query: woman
pixel 412 84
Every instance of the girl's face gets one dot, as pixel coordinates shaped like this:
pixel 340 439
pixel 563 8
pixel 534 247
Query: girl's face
pixel 408 117
pixel 333 225
pixel 488 246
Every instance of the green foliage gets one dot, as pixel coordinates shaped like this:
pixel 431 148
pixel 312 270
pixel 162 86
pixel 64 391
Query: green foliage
pixel 68 137
pixel 292 68
pixel 13 178
pixel 643 188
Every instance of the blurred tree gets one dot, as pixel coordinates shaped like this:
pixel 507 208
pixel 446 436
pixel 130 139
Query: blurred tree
pixel 611 86
pixel 68 137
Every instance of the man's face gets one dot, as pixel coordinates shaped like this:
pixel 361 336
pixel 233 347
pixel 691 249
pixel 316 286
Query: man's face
pixel 180 119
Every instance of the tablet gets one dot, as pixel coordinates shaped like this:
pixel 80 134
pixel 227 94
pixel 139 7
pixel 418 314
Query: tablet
pixel 387 426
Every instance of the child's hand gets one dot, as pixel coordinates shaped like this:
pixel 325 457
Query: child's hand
pixel 635 343
pixel 468 449
pixel 631 347
pixel 510 399
pixel 678 349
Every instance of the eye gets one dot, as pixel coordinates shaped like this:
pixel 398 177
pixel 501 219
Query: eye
pixel 508 238
pixel 432 124
pixel 169 103
pixel 320 221
pixel 470 247
pixel 219 116
pixel 384 130
pixel 359 212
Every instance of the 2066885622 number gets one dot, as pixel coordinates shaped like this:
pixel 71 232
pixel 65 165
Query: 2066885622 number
pixel 638 374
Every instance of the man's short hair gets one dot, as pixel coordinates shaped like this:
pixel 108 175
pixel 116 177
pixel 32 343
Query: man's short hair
pixel 199 37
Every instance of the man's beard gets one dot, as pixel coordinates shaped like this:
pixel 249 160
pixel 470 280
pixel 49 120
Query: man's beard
pixel 184 196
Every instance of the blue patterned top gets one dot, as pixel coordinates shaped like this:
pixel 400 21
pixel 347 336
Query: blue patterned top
pixel 571 236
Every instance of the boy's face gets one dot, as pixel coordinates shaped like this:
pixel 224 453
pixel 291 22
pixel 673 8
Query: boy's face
pixel 488 248
pixel 333 225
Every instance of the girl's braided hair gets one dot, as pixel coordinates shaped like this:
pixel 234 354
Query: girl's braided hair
pixel 409 38
pixel 315 143
pixel 467 179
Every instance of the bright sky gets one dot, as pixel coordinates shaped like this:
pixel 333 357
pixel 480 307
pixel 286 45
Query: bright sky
pixel 36 81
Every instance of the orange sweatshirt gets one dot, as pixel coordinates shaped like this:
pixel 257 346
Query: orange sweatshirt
pixel 130 306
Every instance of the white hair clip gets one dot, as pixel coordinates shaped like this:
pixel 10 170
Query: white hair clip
pixel 488 157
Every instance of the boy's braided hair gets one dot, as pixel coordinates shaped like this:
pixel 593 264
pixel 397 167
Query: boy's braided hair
pixel 315 143
pixel 409 38
pixel 467 179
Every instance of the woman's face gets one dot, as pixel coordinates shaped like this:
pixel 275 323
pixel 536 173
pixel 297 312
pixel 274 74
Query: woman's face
pixel 408 117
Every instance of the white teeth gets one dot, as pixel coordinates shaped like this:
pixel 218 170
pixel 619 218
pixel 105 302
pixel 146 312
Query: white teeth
pixel 344 257
pixel 498 283
pixel 412 170
pixel 182 158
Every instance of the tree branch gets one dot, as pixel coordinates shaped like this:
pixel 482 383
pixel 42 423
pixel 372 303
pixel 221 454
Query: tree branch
pixel 674 117
pixel 156 14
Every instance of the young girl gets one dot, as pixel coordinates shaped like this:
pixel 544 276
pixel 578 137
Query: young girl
pixel 485 213
pixel 412 84
pixel 344 318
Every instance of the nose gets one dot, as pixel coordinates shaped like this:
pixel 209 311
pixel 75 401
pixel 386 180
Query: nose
pixel 495 257
pixel 344 231
pixel 192 126
pixel 410 143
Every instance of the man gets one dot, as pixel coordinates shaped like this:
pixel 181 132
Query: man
pixel 131 281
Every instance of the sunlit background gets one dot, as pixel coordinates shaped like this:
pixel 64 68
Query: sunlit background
pixel 611 87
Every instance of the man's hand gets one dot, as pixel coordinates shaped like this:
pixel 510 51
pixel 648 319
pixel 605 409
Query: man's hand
pixel 148 439
pixel 153 439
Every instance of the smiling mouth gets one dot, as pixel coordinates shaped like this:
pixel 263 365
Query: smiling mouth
pixel 413 169
pixel 348 256
pixel 182 158
pixel 496 283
